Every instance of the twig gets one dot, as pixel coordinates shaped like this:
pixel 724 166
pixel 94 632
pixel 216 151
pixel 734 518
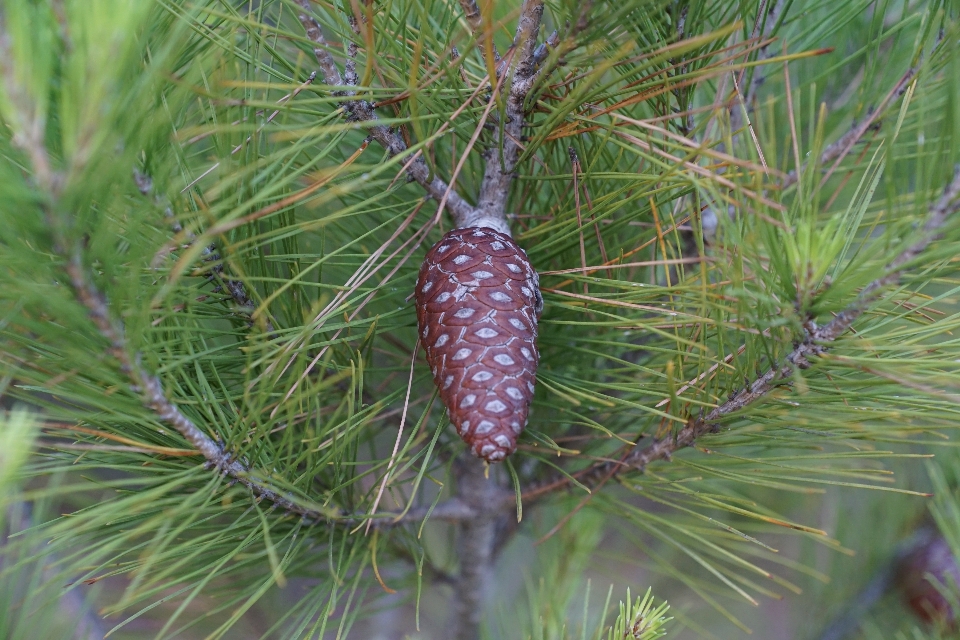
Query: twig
pixel 497 88
pixel 528 28
pixel 350 66
pixel 154 398
pixel 761 34
pixel 236 288
pixel 363 112
pixel 331 73
pixel 814 343
pixel 474 18
pixel 838 150
pixel 471 13
pixel 501 162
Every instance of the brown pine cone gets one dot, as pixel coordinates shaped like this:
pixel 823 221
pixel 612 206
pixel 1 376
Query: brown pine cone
pixel 478 301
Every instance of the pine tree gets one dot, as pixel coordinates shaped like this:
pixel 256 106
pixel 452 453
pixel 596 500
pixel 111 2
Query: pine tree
pixel 212 217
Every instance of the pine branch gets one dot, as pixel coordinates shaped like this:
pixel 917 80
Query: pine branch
pixel 321 50
pixel 151 390
pixel 475 544
pixel 50 181
pixel 236 288
pixel 350 66
pixel 940 212
pixel 363 112
pixel 501 162
pixel 150 387
pixel 153 397
pixel 838 150
pixel 471 12
pixel 475 19
pixel 815 343
pixel 477 536
pixel 762 31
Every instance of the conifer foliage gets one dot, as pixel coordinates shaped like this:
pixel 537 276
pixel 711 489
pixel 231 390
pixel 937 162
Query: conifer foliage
pixel 216 221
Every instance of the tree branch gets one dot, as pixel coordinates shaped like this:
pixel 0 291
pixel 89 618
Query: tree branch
pixel 363 112
pixel 475 545
pixel 321 50
pixel 815 343
pixel 475 19
pixel 471 12
pixel 153 397
pixel 501 161
pixel 236 288
pixel 50 182
pixel 472 507
pixel 838 150
pixel 947 205
pixel 483 495
pixel 525 40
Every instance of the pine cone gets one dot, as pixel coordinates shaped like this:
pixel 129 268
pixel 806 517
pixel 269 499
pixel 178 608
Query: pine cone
pixel 478 301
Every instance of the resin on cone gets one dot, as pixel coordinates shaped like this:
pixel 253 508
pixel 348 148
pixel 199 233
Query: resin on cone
pixel 478 301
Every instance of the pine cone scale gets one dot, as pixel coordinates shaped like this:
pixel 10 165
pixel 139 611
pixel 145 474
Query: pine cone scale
pixel 477 307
